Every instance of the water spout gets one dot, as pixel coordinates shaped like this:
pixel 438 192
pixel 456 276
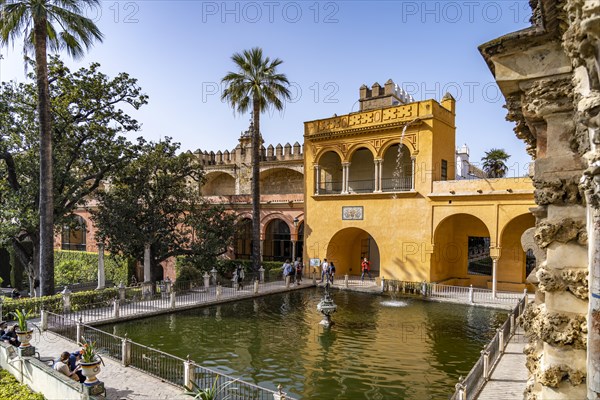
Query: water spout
pixel 399 168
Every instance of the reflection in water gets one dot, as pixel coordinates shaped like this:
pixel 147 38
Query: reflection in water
pixel 378 349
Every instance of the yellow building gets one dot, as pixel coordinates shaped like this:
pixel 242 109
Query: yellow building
pixel 380 183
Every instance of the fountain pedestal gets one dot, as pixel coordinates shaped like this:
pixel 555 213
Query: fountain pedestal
pixel 326 307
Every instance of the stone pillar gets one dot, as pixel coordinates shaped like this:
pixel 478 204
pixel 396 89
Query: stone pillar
pixel 213 273
pixel 293 250
pixel 116 309
pixel 378 169
pixel 346 178
pixel 43 320
pixel 206 277
pixel 147 256
pixel 66 296
pixel 261 273
pixel 494 275
pixel 317 179
pixel 125 352
pixel 255 287
pixel 189 374
pixel 101 275
pixel 414 173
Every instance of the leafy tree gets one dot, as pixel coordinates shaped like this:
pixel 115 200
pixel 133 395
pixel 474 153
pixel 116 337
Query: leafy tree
pixel 37 21
pixel 494 163
pixel 87 127
pixel 256 84
pixel 155 201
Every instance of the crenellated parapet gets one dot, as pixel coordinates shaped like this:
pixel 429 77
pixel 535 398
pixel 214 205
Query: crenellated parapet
pixel 238 155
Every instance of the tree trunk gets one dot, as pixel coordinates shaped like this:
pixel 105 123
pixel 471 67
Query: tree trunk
pixel 46 260
pixel 256 256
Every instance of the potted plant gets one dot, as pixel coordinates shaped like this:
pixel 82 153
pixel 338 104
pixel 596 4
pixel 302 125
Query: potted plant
pixel 90 362
pixel 210 393
pixel 24 333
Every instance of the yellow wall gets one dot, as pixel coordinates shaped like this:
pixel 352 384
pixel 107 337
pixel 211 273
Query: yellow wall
pixel 420 234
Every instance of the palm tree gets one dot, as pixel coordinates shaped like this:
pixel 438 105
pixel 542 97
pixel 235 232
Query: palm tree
pixel 37 21
pixel 494 163
pixel 256 84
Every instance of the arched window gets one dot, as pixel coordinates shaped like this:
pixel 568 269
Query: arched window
pixel 243 239
pixel 74 235
pixel 278 245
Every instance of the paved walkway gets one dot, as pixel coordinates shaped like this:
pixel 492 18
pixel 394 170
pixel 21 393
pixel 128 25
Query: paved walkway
pixel 120 382
pixel 509 376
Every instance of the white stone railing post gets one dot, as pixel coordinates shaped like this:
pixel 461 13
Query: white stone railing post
pixel 125 352
pixel 43 317
pixel 116 308
pixel 346 283
pixel 261 273
pixel 287 281
pixel 512 322
pixel 461 389
pixel 486 364
pixel 471 294
pixel 172 299
pixel 501 340
pixel 189 373
pixel 256 287
pixel 79 331
pixel 219 291
pixel 213 274
pixel 66 297
pixel 206 277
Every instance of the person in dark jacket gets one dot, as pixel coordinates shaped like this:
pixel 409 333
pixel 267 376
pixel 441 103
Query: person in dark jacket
pixel 10 336
pixel 73 362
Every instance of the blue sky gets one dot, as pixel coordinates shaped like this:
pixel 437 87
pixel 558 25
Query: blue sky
pixel 180 50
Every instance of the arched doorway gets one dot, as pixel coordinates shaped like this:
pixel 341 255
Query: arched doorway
pixel 513 262
pixel 348 247
pixel 278 244
pixel 74 235
pixel 461 251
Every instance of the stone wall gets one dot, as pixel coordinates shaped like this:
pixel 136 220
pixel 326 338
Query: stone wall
pixel 549 77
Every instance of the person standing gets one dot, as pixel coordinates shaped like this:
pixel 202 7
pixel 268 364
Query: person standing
pixel 239 277
pixel 298 267
pixel 365 267
pixel 331 271
pixel 288 270
pixel 324 269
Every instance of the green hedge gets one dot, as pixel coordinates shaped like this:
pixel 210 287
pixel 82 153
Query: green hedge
pixel 225 268
pixel 82 266
pixel 11 389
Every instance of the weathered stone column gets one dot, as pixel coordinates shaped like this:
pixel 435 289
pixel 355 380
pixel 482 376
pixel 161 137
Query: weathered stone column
pixel 101 275
pixel 317 179
pixel 147 255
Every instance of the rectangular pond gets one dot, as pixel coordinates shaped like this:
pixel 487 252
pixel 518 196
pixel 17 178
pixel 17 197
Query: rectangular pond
pixel 378 348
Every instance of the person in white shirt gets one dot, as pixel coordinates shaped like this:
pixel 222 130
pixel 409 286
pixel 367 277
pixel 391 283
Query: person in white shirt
pixel 324 270
pixel 62 366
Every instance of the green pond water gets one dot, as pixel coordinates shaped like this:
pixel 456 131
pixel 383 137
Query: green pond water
pixel 379 347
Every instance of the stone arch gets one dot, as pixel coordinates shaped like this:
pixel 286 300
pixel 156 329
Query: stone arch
pixel 451 252
pixel 512 260
pixel 321 152
pixel 348 246
pixel 218 183
pixel 392 142
pixel 357 146
pixel 281 181
pixel 277 244
pixel 396 168
pixel 330 173
pixel 361 172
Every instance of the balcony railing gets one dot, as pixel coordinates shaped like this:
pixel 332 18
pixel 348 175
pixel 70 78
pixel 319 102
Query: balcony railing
pixel 361 186
pixel 402 184
pixel 396 184
pixel 330 187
